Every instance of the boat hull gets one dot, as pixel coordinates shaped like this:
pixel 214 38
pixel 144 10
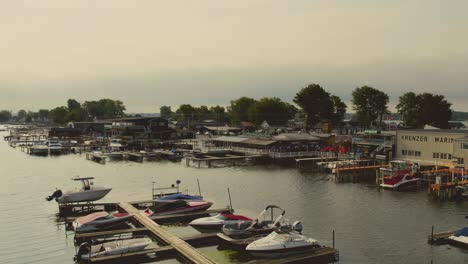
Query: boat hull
pixel 402 186
pixel 116 248
pixel 198 208
pixel 84 196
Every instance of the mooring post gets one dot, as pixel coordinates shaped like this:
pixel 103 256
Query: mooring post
pixel 333 238
pixel 230 200
pixel 199 190
pixel 432 235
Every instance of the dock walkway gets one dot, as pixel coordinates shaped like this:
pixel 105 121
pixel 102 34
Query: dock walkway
pixel 186 251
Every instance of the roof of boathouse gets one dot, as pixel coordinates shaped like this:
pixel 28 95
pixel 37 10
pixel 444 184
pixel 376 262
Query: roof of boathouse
pixel 245 140
pixel 296 137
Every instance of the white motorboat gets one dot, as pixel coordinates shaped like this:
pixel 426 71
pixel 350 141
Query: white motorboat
pixel 55 147
pixel 87 252
pixel 216 223
pixel 115 148
pixel 282 244
pixel 102 221
pixel 87 193
pixel 261 225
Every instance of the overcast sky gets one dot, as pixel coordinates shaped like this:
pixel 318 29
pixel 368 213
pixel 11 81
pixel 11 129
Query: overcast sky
pixel 153 53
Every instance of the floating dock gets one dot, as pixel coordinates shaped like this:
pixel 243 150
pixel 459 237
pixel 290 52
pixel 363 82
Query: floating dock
pixel 184 250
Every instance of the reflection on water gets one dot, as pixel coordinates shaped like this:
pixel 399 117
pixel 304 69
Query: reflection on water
pixel 372 226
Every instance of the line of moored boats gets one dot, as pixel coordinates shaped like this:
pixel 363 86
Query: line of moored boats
pixel 269 234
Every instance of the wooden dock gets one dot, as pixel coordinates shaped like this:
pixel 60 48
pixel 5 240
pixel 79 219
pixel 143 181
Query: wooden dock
pixel 358 173
pixel 441 237
pixel 184 250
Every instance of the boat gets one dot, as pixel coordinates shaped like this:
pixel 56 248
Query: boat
pixel 102 221
pixel 460 238
pixel 216 223
pixel 119 247
pixel 115 148
pixel 39 149
pixel 163 207
pixel 278 244
pixel 87 193
pixel 400 180
pixel 55 147
pixel 180 196
pixel 258 226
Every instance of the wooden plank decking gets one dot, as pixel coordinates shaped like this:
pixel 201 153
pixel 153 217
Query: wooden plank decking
pixel 186 251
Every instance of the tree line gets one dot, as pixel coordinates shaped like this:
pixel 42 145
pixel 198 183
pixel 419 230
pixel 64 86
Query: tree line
pixel 74 111
pixel 312 104
pixel 315 105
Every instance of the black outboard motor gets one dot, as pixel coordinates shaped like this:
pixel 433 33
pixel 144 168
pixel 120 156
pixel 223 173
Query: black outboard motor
pixel 85 248
pixel 297 226
pixel 56 194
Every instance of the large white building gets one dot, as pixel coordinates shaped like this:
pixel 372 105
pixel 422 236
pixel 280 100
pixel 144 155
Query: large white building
pixel 433 146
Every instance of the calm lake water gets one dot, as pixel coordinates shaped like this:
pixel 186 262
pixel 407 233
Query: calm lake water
pixel 372 226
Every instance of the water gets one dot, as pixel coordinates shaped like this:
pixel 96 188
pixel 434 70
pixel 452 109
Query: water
pixel 372 226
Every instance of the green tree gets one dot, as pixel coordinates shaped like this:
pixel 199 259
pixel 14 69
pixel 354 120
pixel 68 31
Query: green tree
pixel 317 105
pixel 73 104
pixel 339 110
pixel 165 111
pixel 43 114
pixel 21 114
pixel 424 109
pixel 238 109
pixel 409 109
pixel 201 113
pixel 57 115
pixel 370 104
pixel 218 113
pixel 5 116
pixel 185 113
pixel 272 110
pixel 104 109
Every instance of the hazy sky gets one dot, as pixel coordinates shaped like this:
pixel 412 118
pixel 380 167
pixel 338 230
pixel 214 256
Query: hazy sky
pixel 153 53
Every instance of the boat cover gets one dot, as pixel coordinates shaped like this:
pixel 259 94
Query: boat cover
pixel 236 217
pixel 91 217
pixel 180 196
pixel 462 232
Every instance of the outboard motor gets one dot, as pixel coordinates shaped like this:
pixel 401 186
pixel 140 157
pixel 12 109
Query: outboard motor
pixel 297 226
pixel 56 194
pixel 85 248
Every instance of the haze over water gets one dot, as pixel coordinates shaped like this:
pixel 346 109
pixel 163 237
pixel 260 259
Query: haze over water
pixel 372 226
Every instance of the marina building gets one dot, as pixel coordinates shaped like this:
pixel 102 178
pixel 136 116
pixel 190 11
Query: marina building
pixel 433 146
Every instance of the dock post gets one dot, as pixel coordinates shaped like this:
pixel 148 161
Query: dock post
pixel 333 238
pixel 199 190
pixel 432 235
pixel 230 200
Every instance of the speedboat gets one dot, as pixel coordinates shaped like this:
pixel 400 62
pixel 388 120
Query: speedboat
pixel 102 220
pixel 216 223
pixel 180 196
pixel 261 225
pixel 87 193
pixel 119 247
pixel 400 180
pixel 460 238
pixel 282 244
pixel 166 207
pixel 115 148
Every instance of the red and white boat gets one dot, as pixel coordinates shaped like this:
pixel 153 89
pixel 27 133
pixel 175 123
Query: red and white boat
pixel 179 206
pixel 400 180
pixel 102 220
